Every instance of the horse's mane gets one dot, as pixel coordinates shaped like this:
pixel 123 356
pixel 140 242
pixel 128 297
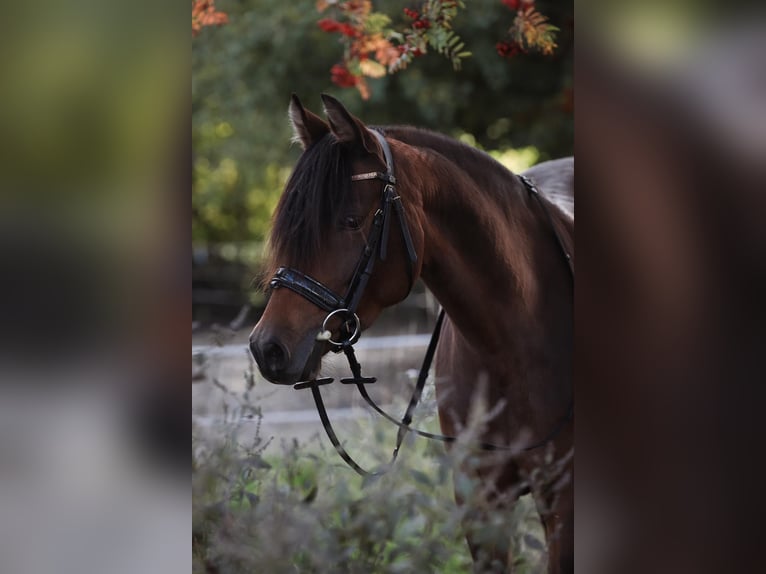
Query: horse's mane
pixel 488 173
pixel 462 154
pixel 497 184
pixel 318 185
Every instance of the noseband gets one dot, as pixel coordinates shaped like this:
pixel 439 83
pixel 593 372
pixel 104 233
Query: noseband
pixel 345 308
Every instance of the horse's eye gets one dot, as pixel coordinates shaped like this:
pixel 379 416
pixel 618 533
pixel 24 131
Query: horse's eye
pixel 351 222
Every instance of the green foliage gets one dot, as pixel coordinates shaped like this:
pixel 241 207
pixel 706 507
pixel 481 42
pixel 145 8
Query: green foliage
pixel 302 510
pixel 376 23
pixel 443 38
pixel 431 26
pixel 450 45
pixel 532 30
pixel 244 72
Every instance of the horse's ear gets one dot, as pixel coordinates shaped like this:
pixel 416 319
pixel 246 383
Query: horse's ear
pixel 307 127
pixel 347 128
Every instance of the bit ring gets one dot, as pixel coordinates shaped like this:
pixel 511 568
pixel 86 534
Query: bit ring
pixel 351 317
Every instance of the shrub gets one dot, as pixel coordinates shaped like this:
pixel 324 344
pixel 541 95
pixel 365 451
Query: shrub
pixel 302 510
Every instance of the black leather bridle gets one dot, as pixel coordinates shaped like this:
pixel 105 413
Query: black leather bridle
pixel 375 248
pixel 345 307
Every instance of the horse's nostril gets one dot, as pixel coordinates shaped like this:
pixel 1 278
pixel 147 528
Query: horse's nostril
pixel 275 356
pixel 273 353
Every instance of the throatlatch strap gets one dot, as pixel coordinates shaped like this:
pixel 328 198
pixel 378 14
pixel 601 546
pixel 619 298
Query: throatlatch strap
pixel 411 253
pixel 366 263
pixel 388 194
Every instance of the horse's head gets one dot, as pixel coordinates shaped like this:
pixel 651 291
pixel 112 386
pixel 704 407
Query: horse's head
pixel 323 223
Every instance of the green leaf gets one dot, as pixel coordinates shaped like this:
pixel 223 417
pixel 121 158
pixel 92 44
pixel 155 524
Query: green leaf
pixel 376 22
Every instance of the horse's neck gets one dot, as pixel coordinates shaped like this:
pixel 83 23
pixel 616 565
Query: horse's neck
pixel 491 260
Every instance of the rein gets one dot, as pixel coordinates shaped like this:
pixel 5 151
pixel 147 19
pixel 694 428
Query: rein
pixel 344 307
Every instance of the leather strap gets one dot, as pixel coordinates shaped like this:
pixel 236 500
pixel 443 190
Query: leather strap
pixel 334 438
pixel 532 189
pixel 307 287
pixel 411 253
pixel 366 264
pixel 404 423
pixel 360 382
pixel 387 154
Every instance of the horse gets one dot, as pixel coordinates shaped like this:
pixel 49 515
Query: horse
pixel 486 248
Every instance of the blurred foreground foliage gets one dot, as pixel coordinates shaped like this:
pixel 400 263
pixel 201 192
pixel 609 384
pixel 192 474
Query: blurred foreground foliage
pixel 244 72
pixel 304 511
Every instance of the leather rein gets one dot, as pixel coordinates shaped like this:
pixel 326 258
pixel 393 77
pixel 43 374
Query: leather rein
pixel 345 307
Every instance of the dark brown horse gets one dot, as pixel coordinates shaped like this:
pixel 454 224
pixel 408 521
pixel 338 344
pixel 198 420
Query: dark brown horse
pixel 486 250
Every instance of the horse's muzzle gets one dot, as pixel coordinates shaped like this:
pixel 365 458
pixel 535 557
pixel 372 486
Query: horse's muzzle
pixel 273 359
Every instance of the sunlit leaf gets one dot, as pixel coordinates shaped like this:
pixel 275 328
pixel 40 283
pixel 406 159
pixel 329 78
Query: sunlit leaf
pixel 372 69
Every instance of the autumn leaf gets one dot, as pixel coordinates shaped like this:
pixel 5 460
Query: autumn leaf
pixel 531 29
pixel 385 52
pixel 364 90
pixel 205 14
pixel 372 69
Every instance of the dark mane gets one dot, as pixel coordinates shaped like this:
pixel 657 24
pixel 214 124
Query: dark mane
pixel 479 165
pixel 448 146
pixel 318 185
pixel 321 182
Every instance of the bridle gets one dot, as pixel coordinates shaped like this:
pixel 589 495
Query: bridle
pixel 377 244
pixel 345 307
